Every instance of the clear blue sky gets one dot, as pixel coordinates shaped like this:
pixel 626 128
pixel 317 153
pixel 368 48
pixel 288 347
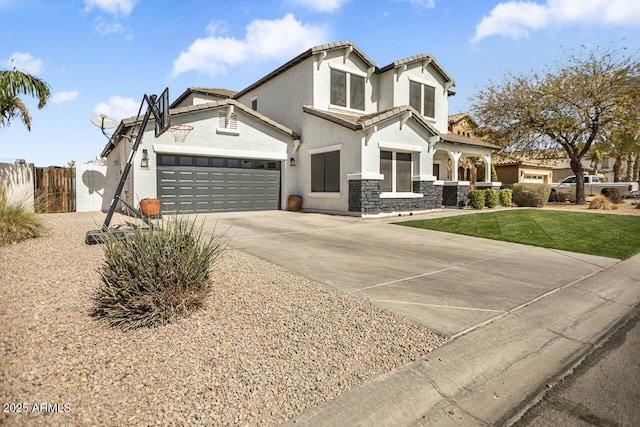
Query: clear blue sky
pixel 104 55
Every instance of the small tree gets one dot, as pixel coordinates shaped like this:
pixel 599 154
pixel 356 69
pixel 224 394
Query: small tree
pixel 568 108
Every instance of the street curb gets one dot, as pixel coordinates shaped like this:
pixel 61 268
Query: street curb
pixel 492 374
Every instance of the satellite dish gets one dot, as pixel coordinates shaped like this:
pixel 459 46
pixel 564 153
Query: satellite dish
pixel 104 122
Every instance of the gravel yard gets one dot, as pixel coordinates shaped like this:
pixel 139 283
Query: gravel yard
pixel 269 345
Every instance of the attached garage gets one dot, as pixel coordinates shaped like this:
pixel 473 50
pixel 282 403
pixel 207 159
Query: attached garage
pixel 199 184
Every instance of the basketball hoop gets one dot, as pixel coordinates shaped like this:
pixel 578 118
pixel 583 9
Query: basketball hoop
pixel 180 132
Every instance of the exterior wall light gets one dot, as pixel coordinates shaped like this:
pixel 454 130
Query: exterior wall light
pixel 145 159
pixel 292 161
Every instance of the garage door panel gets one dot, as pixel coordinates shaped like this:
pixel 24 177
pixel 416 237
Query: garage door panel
pixel 208 189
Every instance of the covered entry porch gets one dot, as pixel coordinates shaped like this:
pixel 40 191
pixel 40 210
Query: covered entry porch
pixel 463 163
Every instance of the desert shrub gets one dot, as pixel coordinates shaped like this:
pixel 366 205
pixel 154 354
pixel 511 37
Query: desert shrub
pixel 566 195
pixel 531 195
pixel 18 223
pixel 154 276
pixel 602 202
pixel 505 197
pixel 490 198
pixel 476 199
pixel 613 194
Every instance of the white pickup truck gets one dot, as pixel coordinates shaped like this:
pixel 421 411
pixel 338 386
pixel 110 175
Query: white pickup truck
pixel 593 186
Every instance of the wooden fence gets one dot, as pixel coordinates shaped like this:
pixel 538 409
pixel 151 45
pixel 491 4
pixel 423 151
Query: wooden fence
pixel 55 190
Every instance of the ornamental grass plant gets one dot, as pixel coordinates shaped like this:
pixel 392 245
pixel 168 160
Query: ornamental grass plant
pixel 602 202
pixel 17 223
pixel 155 276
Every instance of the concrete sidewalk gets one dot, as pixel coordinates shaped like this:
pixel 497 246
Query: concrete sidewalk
pixel 488 376
pixel 519 316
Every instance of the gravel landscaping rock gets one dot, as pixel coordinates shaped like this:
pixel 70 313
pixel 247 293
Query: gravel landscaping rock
pixel 269 345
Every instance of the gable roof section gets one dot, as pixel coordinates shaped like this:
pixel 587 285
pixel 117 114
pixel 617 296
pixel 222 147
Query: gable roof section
pixel 217 92
pixel 420 58
pixel 366 121
pixel 127 123
pixel 465 140
pixel 346 44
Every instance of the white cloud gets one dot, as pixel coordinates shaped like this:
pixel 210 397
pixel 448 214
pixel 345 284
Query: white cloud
pixel 106 28
pixel 264 40
pixel 114 7
pixel 321 5
pixel 24 62
pixel 118 107
pixel 515 19
pixel 64 96
pixel 428 4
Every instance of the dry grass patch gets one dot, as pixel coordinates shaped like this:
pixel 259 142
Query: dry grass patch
pixel 603 203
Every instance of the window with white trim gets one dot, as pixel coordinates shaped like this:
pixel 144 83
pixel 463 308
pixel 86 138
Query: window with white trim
pixel 347 90
pixel 325 172
pixel 396 169
pixel 422 97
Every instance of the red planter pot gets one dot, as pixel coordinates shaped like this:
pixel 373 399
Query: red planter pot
pixel 150 207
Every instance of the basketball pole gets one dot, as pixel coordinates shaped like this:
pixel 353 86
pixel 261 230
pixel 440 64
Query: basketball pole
pixel 151 109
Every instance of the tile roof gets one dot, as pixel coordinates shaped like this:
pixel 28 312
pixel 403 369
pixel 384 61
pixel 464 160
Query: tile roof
pixel 356 50
pixel 419 58
pixel 361 122
pixel 217 92
pixel 364 121
pixel 454 118
pixel 131 121
pixel 305 55
pixel 465 140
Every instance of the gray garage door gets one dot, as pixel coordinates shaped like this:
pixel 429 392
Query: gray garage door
pixel 212 184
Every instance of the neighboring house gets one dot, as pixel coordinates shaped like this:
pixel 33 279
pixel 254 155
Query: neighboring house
pixel 514 172
pixel 330 125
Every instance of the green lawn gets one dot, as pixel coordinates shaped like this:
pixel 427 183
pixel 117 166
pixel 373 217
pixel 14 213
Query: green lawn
pixel 615 236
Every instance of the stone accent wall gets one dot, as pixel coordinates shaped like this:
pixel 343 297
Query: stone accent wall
pixel 364 197
pixel 453 195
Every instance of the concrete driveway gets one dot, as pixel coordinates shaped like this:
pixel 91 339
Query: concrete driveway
pixel 449 283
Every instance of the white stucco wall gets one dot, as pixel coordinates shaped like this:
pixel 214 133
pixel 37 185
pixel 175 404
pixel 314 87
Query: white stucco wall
pixel 254 140
pixel 281 98
pixel 324 136
pixel 409 138
pixel 115 165
pixel 322 82
pixel 428 76
pixel 18 182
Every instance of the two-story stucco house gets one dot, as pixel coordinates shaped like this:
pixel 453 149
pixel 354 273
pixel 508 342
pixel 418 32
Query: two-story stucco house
pixel 329 125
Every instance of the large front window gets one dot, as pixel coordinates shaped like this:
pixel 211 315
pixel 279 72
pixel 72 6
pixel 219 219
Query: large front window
pixel 396 168
pixel 347 87
pixel 423 98
pixel 325 172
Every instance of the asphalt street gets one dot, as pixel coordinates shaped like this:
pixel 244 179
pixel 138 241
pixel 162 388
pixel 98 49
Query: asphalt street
pixel 604 390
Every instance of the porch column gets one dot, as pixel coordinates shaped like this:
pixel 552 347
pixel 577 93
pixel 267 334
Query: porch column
pixel 455 158
pixel 487 167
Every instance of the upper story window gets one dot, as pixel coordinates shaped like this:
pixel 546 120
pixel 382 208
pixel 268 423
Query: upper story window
pixel 423 98
pixel 254 103
pixel 347 90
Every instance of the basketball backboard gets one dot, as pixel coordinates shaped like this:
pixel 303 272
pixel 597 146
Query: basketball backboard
pixel 161 113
